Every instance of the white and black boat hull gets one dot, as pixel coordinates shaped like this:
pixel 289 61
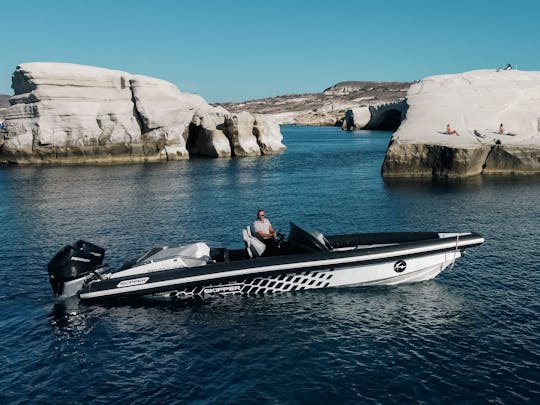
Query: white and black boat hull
pixel 420 269
pixel 307 260
pixel 349 266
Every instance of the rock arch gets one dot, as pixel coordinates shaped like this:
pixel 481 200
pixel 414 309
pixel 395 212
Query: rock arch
pixel 382 117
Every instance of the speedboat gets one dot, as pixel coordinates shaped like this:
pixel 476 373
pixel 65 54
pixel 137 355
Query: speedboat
pixel 306 259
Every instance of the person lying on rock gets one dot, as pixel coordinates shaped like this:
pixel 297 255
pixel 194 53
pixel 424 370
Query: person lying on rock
pixel 451 131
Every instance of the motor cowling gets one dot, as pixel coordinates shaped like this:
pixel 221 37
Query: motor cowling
pixel 73 262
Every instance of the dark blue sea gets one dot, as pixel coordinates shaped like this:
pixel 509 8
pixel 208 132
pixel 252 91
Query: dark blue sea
pixel 470 335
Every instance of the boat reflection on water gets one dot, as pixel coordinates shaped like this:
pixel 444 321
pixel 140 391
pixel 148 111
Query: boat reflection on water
pixel 69 319
pixel 377 311
pixel 423 306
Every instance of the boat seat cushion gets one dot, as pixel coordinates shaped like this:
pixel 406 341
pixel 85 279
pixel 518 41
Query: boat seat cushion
pixel 254 246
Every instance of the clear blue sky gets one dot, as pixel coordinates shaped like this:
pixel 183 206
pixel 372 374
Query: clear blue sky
pixel 239 50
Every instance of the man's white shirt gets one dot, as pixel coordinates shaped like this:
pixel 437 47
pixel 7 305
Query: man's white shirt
pixel 261 226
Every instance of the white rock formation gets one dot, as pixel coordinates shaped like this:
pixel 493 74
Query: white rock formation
pixel 68 113
pixel 206 136
pixel 71 105
pixel 474 104
pixel 239 127
pixel 268 135
pixel 356 118
pixel 387 116
pixel 160 103
pixel 479 100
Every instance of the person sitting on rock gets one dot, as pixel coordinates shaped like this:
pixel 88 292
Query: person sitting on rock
pixel 502 131
pixel 451 131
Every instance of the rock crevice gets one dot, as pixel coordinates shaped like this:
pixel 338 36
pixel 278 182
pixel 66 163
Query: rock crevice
pixel 382 117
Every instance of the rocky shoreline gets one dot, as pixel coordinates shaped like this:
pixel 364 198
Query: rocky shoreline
pixel 335 106
pixel 73 114
pixel 474 102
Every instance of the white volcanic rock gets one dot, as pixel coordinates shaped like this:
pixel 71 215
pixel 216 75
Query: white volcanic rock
pixel 479 100
pixel 206 137
pixel 356 118
pixel 168 142
pixel 165 113
pixel 70 113
pixel 474 104
pixel 387 116
pixel 268 135
pixel 239 128
pixel 65 104
pixel 161 104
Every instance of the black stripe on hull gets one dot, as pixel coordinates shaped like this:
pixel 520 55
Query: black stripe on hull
pixel 253 285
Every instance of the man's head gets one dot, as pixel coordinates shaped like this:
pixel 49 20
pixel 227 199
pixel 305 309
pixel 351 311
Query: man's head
pixel 260 215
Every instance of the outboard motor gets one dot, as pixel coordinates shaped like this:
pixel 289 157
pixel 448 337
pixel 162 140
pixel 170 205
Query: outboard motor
pixel 73 262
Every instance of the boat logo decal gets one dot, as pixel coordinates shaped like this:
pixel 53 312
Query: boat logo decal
pixel 400 266
pixel 132 282
pixel 224 289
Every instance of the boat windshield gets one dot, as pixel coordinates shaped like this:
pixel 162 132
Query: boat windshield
pixel 150 253
pixel 191 253
pixel 308 239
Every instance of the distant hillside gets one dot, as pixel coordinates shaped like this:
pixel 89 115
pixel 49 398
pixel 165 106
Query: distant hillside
pixel 4 100
pixel 324 108
pixel 4 103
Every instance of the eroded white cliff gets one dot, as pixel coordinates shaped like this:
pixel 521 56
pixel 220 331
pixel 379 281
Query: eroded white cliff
pixel 67 113
pixel 474 104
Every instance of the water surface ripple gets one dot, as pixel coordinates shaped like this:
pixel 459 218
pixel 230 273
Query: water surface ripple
pixel 472 334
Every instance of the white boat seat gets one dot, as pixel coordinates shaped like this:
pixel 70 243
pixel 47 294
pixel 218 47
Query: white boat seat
pixel 254 247
pixel 247 240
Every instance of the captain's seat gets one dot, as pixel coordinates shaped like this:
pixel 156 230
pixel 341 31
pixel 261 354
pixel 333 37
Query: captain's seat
pixel 254 247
